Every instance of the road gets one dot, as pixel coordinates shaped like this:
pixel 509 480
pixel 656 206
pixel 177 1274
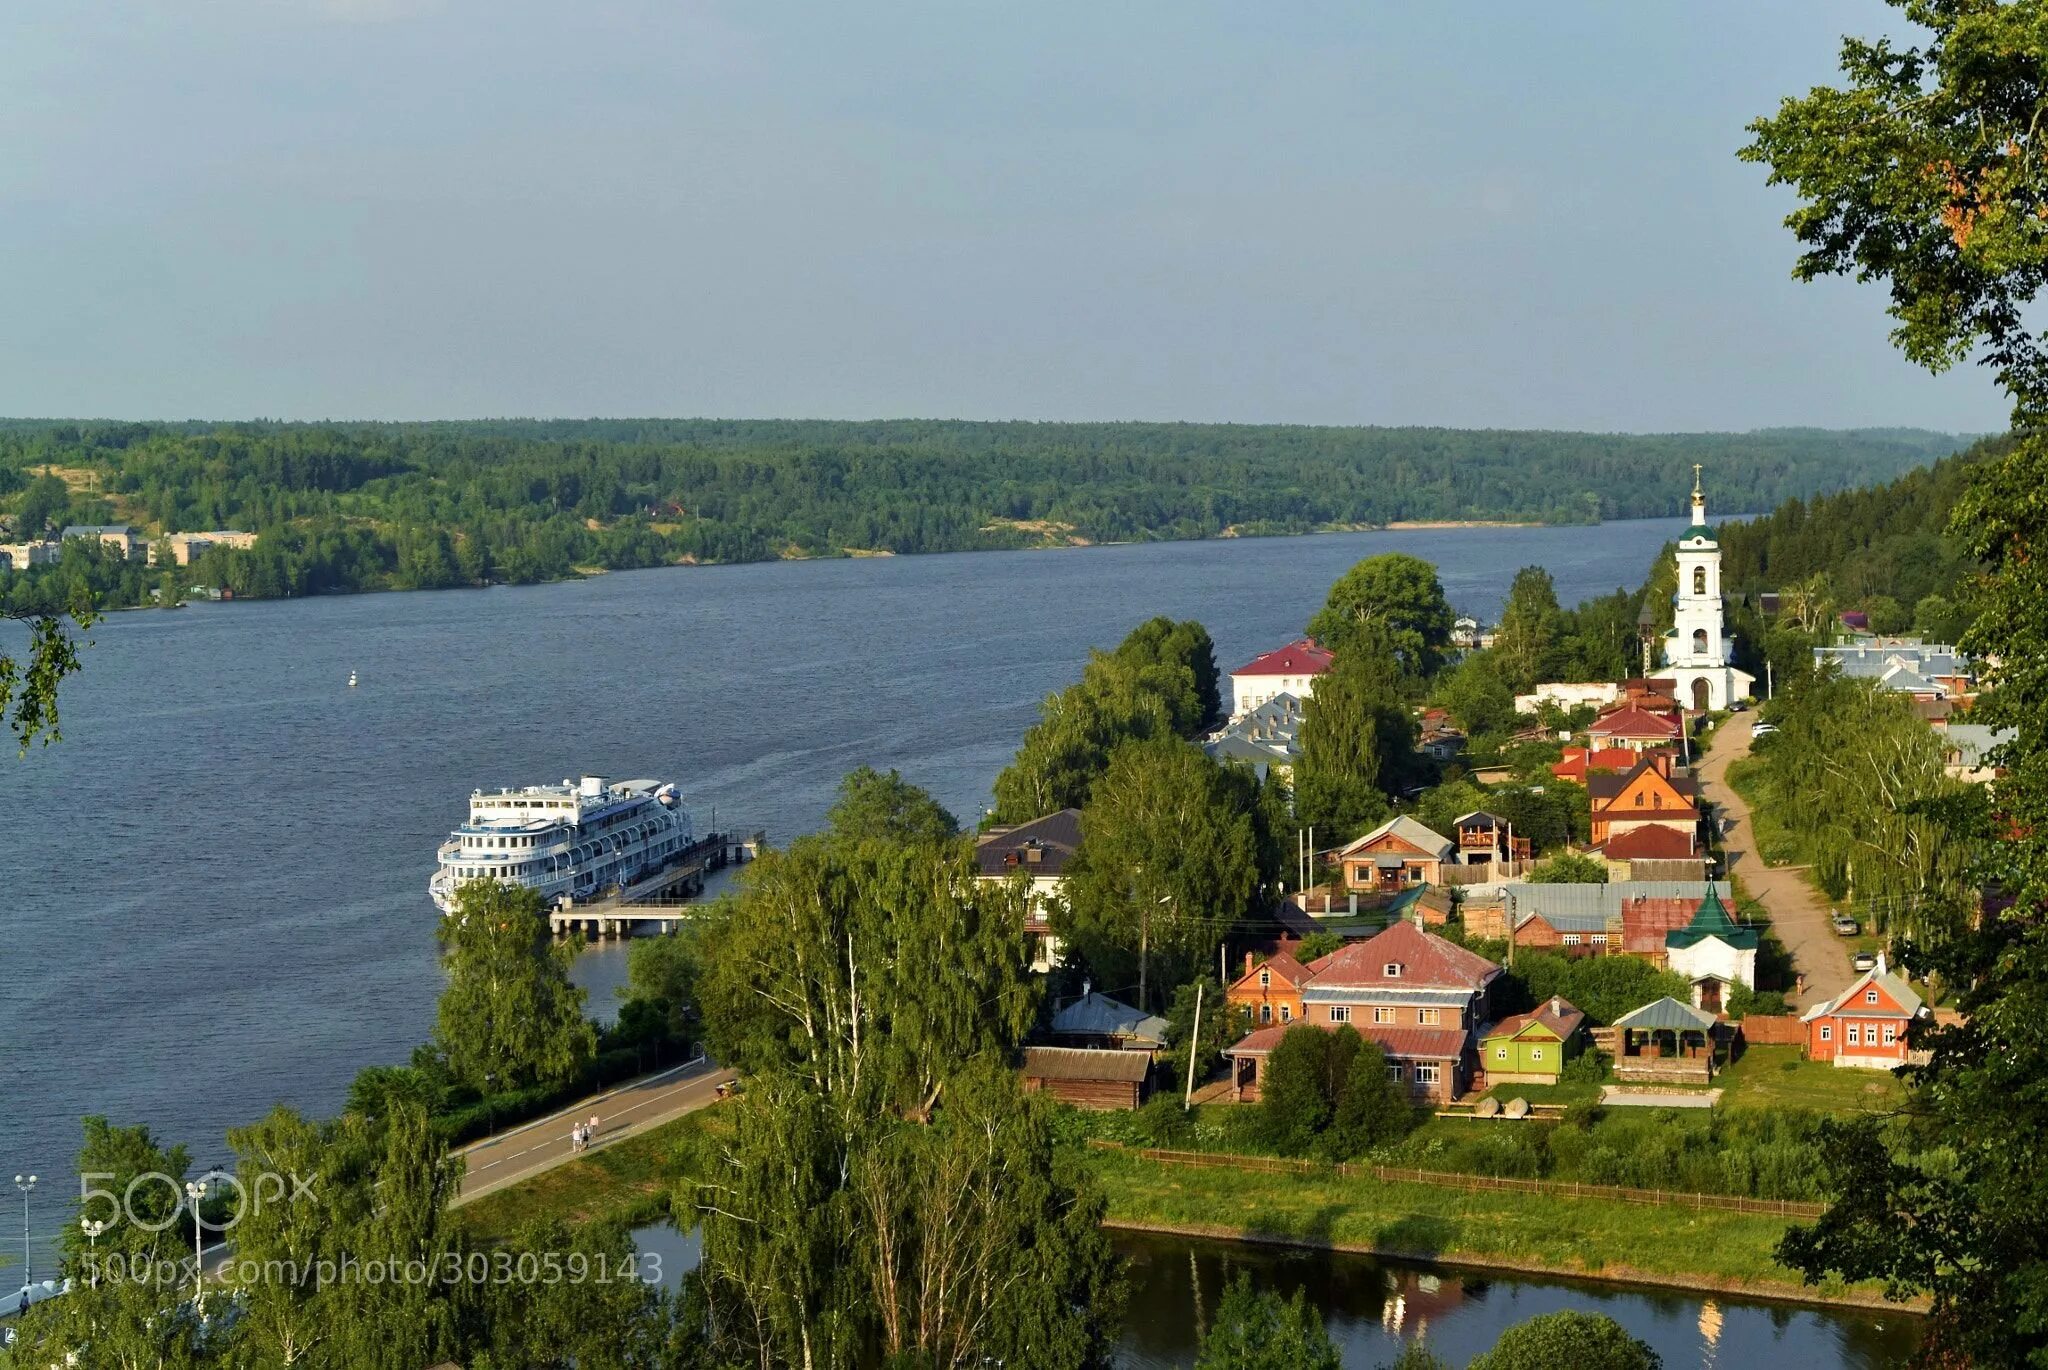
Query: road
pixel 541 1145
pixel 1799 914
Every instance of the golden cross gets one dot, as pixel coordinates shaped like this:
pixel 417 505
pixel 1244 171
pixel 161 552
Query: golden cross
pixel 1695 479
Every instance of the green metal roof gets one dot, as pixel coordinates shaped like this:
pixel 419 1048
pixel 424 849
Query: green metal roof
pixel 1666 1013
pixel 1712 920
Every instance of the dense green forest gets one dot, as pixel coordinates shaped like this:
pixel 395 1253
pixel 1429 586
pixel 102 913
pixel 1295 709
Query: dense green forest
pixel 352 506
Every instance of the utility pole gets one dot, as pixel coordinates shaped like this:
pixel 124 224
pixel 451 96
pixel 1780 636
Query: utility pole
pixel 1194 1049
pixel 28 1275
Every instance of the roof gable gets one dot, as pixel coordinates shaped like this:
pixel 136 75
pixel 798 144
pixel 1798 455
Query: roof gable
pixel 1629 721
pixel 1283 968
pixel 1895 996
pixel 1405 830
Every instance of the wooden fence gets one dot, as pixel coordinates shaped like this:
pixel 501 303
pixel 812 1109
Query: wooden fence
pixel 1773 1029
pixel 1557 1189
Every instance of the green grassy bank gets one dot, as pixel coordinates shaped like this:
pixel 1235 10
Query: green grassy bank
pixel 1644 1244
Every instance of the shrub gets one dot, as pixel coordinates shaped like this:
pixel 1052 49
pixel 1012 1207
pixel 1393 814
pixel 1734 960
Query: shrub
pixel 1584 1341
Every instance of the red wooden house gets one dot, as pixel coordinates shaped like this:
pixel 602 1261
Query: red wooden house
pixel 1866 1024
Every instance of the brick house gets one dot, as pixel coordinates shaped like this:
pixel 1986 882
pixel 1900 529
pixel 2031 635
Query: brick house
pixel 1866 1024
pixel 1419 997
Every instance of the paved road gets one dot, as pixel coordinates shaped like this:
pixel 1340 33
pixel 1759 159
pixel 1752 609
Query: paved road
pixel 539 1146
pixel 1798 912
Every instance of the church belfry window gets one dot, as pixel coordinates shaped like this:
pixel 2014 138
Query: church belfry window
pixel 1699 580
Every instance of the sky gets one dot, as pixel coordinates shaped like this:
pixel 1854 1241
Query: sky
pixel 1467 213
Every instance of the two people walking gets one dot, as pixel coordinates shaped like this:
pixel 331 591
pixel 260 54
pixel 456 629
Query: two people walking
pixel 581 1134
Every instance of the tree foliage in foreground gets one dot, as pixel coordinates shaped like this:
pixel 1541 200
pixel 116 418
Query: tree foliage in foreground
pixel 1584 1341
pixel 509 1016
pixel 1161 681
pixel 888 1191
pixel 1258 1330
pixel 1921 169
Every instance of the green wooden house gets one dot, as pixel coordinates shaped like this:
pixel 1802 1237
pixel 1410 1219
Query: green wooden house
pixel 1531 1048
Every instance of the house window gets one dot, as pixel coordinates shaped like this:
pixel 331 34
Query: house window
pixel 1855 1034
pixel 1891 1035
pixel 1827 1034
pixel 1429 1017
pixel 1639 799
pixel 1598 939
pixel 1571 939
pixel 1340 1013
pixel 1265 1013
pixel 1426 1072
pixel 1392 970
pixel 1265 979
pixel 1535 1053
pixel 1870 997
pixel 1286 1013
pixel 1500 1053
pixel 1383 1015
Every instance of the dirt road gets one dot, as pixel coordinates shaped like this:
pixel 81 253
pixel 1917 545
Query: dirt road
pixel 1798 912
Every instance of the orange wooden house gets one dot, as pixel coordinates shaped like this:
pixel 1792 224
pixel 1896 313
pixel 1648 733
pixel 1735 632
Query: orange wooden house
pixel 1646 794
pixel 1270 991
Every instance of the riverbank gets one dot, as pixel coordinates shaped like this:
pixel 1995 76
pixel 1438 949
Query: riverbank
pixel 1644 1245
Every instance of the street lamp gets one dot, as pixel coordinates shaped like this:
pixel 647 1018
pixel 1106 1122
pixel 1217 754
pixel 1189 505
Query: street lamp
pixel 195 1190
pixel 92 1232
pixel 28 1274
pixel 490 1105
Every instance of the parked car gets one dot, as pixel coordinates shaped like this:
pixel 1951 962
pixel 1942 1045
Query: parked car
pixel 1864 960
pixel 1762 729
pixel 1848 927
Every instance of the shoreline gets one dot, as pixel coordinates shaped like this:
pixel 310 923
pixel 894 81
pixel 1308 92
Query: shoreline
pixel 1762 1291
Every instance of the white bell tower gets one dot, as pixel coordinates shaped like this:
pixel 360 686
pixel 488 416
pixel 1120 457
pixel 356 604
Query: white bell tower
pixel 1698 650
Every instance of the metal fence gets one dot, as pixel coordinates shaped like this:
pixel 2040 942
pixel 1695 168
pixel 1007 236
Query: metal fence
pixel 1560 1189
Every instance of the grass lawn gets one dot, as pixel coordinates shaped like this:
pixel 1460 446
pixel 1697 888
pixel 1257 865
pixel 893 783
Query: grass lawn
pixel 1666 1243
pixel 628 1181
pixel 1780 1077
pixel 1564 1092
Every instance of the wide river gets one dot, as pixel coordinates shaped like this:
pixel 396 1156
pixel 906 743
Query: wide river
pixel 215 886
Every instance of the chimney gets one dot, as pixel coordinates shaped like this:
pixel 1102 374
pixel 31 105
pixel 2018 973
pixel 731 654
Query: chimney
pixel 1556 1006
pixel 1247 963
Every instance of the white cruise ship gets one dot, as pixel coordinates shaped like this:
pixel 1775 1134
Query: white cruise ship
pixel 572 840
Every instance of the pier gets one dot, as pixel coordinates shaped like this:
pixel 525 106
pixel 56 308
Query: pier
pixel 663 898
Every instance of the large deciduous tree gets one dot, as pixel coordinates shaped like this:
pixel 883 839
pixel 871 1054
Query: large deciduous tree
pixel 1357 739
pixel 1169 860
pixel 1526 642
pixel 1397 598
pixel 509 1016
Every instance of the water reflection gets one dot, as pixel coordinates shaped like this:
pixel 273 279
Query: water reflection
pixel 1370 1307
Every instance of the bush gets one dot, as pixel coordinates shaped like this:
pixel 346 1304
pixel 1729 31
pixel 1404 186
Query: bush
pixel 1328 1093
pixel 1584 1341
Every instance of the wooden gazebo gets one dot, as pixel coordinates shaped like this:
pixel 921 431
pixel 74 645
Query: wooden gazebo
pixel 1666 1041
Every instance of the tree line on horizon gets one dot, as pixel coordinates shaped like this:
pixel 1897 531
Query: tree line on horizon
pixel 366 506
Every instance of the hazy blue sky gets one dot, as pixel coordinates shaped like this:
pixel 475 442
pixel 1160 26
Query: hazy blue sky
pixel 1458 212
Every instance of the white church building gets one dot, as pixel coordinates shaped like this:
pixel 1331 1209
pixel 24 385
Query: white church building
pixel 1697 650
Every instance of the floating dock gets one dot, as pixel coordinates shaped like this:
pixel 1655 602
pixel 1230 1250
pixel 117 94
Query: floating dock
pixel 664 898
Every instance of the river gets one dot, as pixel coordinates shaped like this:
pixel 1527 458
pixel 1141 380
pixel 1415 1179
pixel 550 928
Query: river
pixel 1371 1306
pixel 215 886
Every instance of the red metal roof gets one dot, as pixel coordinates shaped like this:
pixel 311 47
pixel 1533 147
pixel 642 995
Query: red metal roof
pixel 1578 760
pixel 1426 961
pixel 1633 722
pixel 1405 1043
pixel 1650 842
pixel 1296 658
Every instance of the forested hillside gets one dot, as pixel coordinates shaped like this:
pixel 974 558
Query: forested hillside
pixel 371 506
